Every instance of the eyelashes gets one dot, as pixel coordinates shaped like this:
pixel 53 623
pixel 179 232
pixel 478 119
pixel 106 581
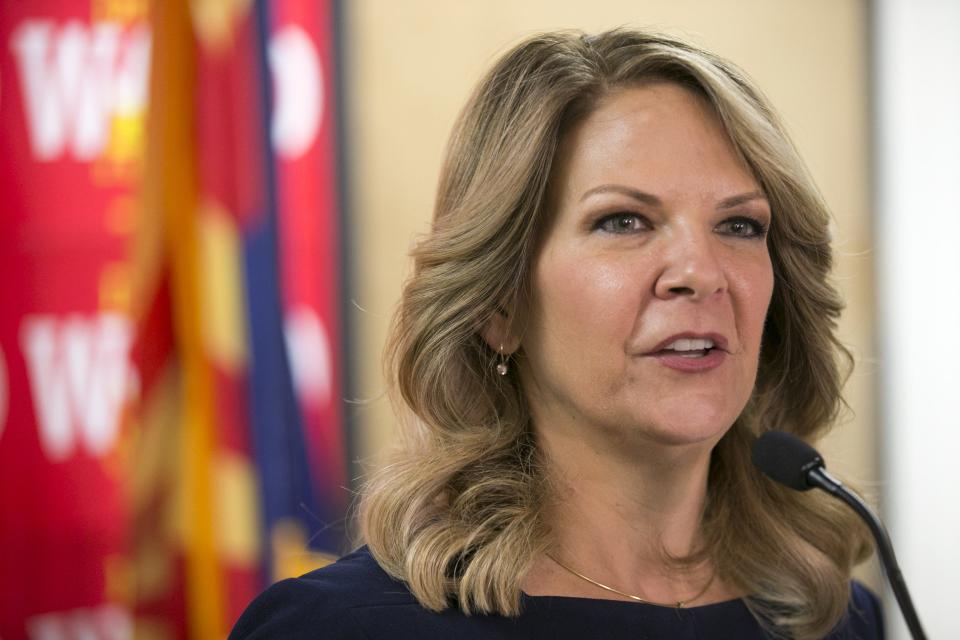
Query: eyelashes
pixel 624 223
pixel 742 227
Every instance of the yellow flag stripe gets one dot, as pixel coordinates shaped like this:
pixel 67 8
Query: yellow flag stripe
pixel 172 167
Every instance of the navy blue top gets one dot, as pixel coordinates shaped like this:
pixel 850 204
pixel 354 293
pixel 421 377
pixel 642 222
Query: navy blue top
pixel 356 599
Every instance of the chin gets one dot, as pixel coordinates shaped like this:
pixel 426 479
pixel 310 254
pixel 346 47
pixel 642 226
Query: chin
pixel 681 437
pixel 693 429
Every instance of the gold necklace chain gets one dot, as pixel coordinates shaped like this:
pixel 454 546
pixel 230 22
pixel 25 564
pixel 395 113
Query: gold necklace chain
pixel 679 604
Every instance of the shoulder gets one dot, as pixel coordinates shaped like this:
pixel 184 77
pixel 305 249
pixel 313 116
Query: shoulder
pixel 864 619
pixel 323 601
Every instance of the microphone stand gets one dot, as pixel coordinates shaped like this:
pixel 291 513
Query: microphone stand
pixel 819 477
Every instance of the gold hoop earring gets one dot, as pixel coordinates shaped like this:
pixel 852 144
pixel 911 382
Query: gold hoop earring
pixel 502 367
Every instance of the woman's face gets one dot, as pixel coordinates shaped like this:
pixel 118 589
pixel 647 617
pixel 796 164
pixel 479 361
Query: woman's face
pixel 653 279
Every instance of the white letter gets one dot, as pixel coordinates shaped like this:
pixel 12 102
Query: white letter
pixel 67 78
pixel 130 79
pixel 298 82
pixel 308 350
pixel 107 374
pixel 48 382
pixel 78 374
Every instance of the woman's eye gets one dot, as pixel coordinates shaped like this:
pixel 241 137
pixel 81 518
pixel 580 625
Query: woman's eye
pixel 623 223
pixel 742 228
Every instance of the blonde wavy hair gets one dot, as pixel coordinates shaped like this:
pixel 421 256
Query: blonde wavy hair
pixel 457 513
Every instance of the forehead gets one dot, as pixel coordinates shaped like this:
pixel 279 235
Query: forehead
pixel 659 137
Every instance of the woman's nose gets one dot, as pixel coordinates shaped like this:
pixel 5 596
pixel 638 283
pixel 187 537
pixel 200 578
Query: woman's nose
pixel 691 269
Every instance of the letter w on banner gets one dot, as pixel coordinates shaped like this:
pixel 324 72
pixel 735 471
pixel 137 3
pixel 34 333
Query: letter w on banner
pixel 241 456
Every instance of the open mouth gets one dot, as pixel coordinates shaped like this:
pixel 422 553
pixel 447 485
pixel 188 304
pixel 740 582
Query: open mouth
pixel 688 348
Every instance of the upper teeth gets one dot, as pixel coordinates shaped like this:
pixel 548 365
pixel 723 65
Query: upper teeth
pixel 693 344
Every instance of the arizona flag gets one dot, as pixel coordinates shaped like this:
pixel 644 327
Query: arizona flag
pixel 239 436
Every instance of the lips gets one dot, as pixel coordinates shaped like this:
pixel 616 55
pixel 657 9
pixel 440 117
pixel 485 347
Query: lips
pixel 687 342
pixel 691 352
pixel 690 347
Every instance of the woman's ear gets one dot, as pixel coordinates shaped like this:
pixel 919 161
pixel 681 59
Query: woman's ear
pixel 498 334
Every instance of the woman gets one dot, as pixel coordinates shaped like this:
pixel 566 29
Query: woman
pixel 625 283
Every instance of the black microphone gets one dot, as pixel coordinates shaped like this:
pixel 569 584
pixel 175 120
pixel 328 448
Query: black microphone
pixel 794 463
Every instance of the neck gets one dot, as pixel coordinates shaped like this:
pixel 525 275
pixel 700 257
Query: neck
pixel 619 513
pixel 638 507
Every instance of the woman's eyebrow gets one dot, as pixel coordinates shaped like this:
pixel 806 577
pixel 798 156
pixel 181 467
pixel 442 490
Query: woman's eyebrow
pixel 652 200
pixel 636 194
pixel 743 198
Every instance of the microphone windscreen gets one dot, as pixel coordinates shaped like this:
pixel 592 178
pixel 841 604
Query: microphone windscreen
pixel 786 459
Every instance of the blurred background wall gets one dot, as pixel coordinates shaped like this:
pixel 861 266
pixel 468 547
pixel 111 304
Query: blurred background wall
pixel 917 221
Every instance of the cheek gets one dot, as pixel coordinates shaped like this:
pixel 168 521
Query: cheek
pixel 756 289
pixel 591 296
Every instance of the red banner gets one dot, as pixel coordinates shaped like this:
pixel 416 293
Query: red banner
pixel 73 84
pixel 303 135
